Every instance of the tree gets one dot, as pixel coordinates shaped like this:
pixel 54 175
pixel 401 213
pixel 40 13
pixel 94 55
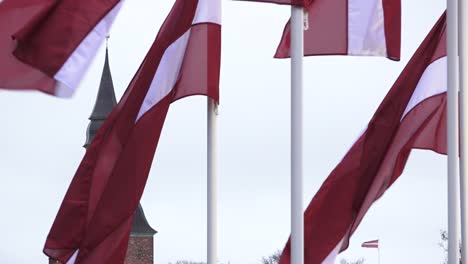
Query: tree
pixel 272 259
pixel 187 262
pixel 444 245
pixel 359 261
pixel 192 262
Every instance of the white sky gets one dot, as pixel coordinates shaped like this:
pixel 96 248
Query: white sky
pixel 41 139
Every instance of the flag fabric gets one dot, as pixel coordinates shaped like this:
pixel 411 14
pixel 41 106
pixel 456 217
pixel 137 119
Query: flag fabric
pixel 48 45
pixel 303 3
pixel 371 244
pixel 94 220
pixel 353 27
pixel 411 116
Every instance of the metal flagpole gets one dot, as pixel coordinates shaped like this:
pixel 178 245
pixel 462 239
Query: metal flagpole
pixel 297 54
pixel 463 59
pixel 212 180
pixel 378 252
pixel 452 132
pixel 378 249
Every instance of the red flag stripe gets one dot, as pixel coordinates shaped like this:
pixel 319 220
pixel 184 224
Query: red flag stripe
pixel 350 27
pixel 378 157
pixel 38 58
pixel 371 244
pixel 95 217
pixel 303 3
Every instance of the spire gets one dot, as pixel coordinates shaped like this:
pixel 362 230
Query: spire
pixel 105 102
pixel 140 226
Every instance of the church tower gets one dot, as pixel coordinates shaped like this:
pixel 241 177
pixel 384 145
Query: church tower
pixel 140 245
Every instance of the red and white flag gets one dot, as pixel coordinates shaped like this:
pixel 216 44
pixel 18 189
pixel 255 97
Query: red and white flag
pixel 353 27
pixel 94 220
pixel 303 3
pixel 371 244
pixel 411 116
pixel 48 45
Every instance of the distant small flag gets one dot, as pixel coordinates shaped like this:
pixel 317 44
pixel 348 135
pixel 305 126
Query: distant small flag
pixel 371 244
pixel 303 3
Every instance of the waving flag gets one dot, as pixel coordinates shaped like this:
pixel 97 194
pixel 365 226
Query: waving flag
pixel 94 220
pixel 48 45
pixel 411 116
pixel 353 27
pixel 303 3
pixel 371 244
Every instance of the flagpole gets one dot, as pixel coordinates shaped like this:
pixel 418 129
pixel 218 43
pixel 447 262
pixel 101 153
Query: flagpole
pixel 378 248
pixel 452 133
pixel 378 252
pixel 297 54
pixel 212 180
pixel 463 59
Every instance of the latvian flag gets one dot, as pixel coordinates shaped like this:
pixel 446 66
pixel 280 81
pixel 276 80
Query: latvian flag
pixel 303 3
pixel 94 220
pixel 371 244
pixel 353 27
pixel 48 45
pixel 411 116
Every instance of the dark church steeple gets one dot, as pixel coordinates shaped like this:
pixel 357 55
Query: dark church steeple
pixel 140 226
pixel 140 246
pixel 105 102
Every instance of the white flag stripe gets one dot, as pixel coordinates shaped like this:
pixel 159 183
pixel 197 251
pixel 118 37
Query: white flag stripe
pixel 208 11
pixel 72 72
pixel 366 28
pixel 166 74
pixel 432 82
pixel 73 258
pixel 332 256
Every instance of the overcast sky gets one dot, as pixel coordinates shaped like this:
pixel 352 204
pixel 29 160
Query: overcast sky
pixel 41 140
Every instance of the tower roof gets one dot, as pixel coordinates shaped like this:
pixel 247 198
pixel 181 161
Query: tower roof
pixel 104 104
pixel 105 101
pixel 140 226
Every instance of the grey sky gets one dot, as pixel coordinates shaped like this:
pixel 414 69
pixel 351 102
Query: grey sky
pixel 41 139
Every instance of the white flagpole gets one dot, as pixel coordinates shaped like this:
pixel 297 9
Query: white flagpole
pixel 378 248
pixel 297 54
pixel 452 133
pixel 463 57
pixel 212 181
